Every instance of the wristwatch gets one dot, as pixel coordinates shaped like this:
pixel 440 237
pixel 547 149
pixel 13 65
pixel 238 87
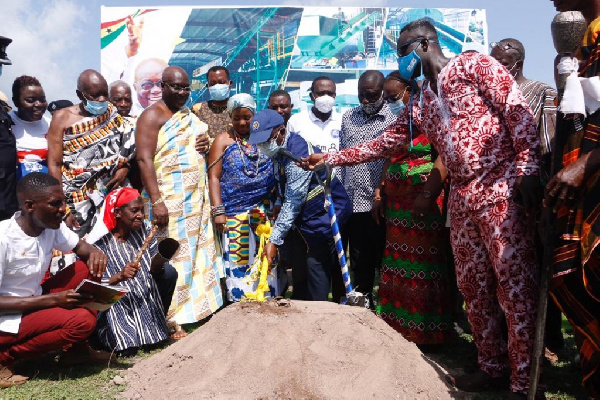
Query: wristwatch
pixel 426 194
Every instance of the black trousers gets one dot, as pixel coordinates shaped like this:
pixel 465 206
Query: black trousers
pixel 366 242
pixel 315 268
pixel 166 282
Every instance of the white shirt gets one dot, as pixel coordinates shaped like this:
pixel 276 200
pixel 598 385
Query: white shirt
pixel 24 261
pixel 30 135
pixel 325 135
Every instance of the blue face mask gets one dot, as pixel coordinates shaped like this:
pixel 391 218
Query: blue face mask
pixel 219 92
pixel 397 106
pixel 96 107
pixel 0 69
pixel 408 63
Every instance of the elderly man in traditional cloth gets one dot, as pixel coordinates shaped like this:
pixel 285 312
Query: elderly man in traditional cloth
pixel 574 194
pixel 89 148
pixel 174 178
pixel 473 112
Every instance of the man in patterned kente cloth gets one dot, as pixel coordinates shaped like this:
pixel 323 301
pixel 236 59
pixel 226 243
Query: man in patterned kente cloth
pixel 574 195
pixel 473 112
pixel 89 148
pixel 174 178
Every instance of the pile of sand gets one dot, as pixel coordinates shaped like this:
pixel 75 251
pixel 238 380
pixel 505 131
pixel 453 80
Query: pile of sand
pixel 309 350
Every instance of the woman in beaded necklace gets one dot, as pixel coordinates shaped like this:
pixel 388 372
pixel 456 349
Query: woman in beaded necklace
pixel 240 180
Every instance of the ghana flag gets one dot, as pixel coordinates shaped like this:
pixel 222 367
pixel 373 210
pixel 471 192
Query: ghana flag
pixel 111 30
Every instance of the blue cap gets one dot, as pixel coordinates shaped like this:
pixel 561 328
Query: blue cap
pixel 262 125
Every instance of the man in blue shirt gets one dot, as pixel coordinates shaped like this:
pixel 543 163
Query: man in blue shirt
pixel 303 219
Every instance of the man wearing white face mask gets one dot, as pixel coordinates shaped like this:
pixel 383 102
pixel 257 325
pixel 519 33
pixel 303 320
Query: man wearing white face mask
pixel 89 150
pixel 359 125
pixel 321 124
pixel 214 112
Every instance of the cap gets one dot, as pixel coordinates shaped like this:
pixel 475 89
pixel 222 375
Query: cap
pixel 58 104
pixel 4 42
pixel 262 125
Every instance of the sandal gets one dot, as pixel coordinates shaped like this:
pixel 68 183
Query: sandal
pixel 8 378
pixel 176 331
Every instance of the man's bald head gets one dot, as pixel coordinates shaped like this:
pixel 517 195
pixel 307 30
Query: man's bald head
pixel 171 74
pixel 90 77
pixel 372 77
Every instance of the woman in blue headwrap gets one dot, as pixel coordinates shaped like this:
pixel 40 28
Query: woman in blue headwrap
pixel 240 180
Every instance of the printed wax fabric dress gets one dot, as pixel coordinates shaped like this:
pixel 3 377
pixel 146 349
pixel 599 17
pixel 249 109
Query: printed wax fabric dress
pixel 413 290
pixel 246 182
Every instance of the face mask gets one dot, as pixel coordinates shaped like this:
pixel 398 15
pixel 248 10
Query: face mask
pixel 0 69
pixel 408 63
pixel 219 92
pixel 324 104
pixel 397 106
pixel 372 108
pixel 510 71
pixel 270 148
pixel 96 107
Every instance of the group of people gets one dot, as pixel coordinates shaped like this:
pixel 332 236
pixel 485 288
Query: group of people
pixel 437 182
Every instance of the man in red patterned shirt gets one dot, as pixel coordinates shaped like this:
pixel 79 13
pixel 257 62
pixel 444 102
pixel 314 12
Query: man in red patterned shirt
pixel 473 112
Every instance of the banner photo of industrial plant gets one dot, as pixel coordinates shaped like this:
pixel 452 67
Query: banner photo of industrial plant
pixel 269 48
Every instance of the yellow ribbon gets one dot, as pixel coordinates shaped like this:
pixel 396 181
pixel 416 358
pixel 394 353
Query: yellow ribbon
pixel 264 232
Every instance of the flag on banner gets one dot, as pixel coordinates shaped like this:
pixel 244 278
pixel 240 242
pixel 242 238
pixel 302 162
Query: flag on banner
pixel 109 31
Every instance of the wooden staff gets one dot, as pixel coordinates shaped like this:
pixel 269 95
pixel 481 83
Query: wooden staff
pixel 140 254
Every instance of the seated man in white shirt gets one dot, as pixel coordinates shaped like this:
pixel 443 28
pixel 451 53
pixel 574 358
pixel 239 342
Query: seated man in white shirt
pixel 321 124
pixel 35 317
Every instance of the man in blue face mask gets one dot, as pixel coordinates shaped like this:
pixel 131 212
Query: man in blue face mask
pixel 474 114
pixel 89 149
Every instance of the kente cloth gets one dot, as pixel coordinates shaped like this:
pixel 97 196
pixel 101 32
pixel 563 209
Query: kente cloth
pixel 413 288
pixel 182 181
pixel 247 177
pixel 540 98
pixel 137 319
pixel 93 149
pixel 240 244
pixel 575 286
pixel 217 118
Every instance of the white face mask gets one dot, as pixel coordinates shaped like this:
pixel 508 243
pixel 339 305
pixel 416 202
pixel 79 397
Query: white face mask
pixel 270 148
pixel 325 104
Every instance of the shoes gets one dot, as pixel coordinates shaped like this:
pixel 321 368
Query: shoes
pixel 478 381
pixel 8 378
pixel 85 355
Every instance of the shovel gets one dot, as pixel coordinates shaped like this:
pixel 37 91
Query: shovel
pixel 352 298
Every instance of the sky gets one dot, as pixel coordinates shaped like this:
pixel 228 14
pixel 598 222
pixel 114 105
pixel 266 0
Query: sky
pixel 54 40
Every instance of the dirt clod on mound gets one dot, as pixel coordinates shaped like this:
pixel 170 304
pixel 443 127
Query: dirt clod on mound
pixel 301 350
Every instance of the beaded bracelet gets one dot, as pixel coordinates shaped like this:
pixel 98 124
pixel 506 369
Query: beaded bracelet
pixel 217 210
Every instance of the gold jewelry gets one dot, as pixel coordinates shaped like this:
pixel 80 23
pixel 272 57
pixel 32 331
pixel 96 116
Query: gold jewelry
pixel 160 200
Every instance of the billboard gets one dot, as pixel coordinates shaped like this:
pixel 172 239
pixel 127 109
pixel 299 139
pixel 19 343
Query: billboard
pixel 269 48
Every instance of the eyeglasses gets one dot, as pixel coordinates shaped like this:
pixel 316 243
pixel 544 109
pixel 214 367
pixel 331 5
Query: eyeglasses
pixel 177 88
pixel 147 85
pixel 393 99
pixel 504 46
pixel 404 46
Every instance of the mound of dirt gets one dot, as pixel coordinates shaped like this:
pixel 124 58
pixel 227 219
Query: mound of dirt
pixel 308 350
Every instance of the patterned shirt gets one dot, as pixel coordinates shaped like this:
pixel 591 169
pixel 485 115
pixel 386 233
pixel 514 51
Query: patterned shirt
pixel 480 124
pixel 361 180
pixel 296 190
pixel 217 118
pixel 540 98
